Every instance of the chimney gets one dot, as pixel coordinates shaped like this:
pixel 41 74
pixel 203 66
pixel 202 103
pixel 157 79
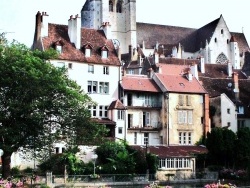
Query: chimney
pixel 236 85
pixel 74 30
pixel 44 24
pixel 202 65
pixel 189 76
pixel 38 27
pixel 107 30
pixel 229 69
pixel 194 70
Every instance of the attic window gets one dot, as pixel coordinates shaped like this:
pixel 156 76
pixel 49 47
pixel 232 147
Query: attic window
pixel 221 31
pixel 215 39
pixel 59 49
pixel 104 54
pixel 87 52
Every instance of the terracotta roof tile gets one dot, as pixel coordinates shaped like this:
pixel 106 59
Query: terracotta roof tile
pixel 139 83
pixel 173 151
pixel 117 104
pixel 96 38
pixel 179 83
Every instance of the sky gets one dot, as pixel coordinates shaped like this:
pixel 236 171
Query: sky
pixel 17 17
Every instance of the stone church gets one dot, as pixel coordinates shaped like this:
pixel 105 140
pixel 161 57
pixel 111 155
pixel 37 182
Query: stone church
pixel 214 41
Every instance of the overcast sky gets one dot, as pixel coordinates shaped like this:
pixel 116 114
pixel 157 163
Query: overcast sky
pixel 17 17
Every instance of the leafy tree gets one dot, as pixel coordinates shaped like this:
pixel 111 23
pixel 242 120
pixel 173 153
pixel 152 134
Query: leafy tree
pixel 242 147
pixel 39 104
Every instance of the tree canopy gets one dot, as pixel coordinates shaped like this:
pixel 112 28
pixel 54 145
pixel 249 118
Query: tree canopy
pixel 39 103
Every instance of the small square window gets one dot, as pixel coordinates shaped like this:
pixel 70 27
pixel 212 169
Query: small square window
pixel 228 110
pixel 91 69
pixel 120 130
pixel 70 65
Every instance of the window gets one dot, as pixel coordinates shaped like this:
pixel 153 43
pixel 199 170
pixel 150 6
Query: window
pixel 146 119
pixel 221 31
pixel 228 110
pixel 104 54
pixel 185 138
pixel 188 100
pixel 228 124
pixel 181 100
pixel 241 124
pixel 91 69
pixel 105 70
pixel 120 114
pixel 57 150
pixel 131 71
pixel 215 39
pixel 87 52
pixel 59 49
pixel 70 65
pixel 103 111
pixel 104 87
pixel 171 163
pixel 135 138
pixel 119 7
pixel 92 110
pixel 146 138
pixel 110 6
pixel 185 116
pixel 92 86
pixel 240 110
pixel 119 130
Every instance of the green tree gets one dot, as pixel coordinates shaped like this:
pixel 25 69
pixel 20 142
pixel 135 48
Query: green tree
pixel 242 147
pixel 39 104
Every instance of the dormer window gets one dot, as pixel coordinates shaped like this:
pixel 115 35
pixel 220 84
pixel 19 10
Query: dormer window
pixel 87 49
pixel 240 110
pixel 58 45
pixel 104 52
pixel 59 49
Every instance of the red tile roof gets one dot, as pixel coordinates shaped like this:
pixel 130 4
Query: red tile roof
pixel 139 83
pixel 117 104
pixel 96 38
pixel 173 69
pixel 173 151
pixel 179 83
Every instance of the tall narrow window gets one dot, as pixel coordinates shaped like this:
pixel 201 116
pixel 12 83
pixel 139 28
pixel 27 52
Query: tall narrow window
pixel 146 138
pixel 119 7
pixel 135 138
pixel 188 100
pixel 146 119
pixel 105 70
pixel 181 100
pixel 130 120
pixel 110 6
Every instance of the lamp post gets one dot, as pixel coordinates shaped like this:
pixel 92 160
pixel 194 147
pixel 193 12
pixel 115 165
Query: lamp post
pixel 94 157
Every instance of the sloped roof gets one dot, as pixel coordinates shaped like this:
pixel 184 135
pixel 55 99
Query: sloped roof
pixel 220 71
pixel 116 104
pixel 179 83
pixel 94 37
pixel 104 121
pixel 173 151
pixel 172 69
pixel 139 83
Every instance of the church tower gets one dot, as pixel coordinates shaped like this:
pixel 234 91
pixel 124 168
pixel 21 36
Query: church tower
pixel 119 14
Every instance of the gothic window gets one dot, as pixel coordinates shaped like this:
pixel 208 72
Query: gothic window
pixel 221 59
pixel 119 7
pixel 110 6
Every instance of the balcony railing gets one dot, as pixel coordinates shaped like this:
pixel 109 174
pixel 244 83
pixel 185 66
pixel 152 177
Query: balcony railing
pixel 144 103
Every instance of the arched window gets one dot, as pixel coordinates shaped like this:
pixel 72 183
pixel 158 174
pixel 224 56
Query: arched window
pixel 221 59
pixel 110 6
pixel 119 7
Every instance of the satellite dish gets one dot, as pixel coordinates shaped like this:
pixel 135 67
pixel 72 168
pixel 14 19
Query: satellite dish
pixel 116 43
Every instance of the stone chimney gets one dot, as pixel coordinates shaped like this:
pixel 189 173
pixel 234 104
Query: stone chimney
pixel 107 30
pixel 41 29
pixel 74 30
pixel 194 70
pixel 45 24
pixel 202 65
pixel 189 76
pixel 236 85
pixel 229 69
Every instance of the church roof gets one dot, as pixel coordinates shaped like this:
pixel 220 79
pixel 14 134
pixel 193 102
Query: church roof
pixel 94 37
pixel 191 39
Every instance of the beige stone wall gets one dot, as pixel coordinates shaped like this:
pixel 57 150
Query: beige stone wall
pixel 196 127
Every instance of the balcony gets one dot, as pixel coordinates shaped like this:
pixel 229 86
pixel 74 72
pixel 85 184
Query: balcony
pixel 144 103
pixel 154 126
